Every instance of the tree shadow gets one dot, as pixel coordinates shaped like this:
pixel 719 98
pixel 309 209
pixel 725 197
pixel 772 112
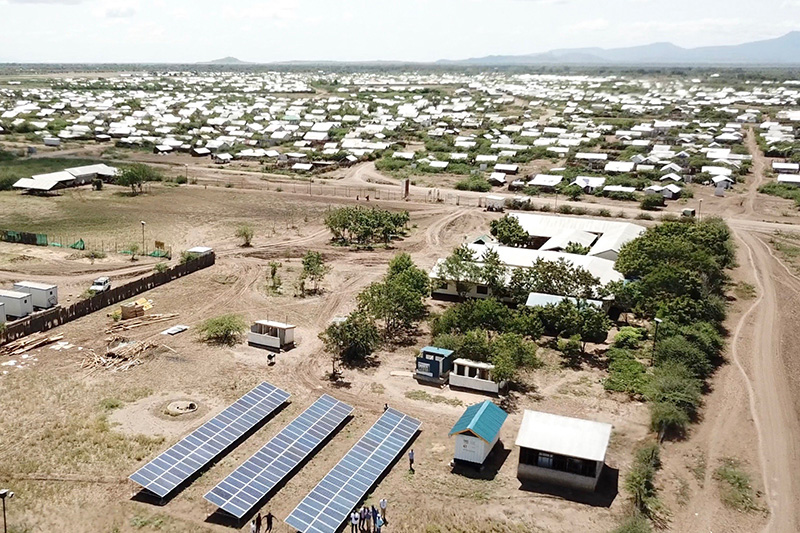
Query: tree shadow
pixel 517 391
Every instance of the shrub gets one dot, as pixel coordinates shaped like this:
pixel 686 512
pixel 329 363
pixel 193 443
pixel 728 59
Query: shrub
pixel 474 183
pixel 225 329
pixel 161 267
pixel 188 256
pixel 652 202
pixel 636 523
pixel 628 337
pixel 245 232
pixel 625 373
pixel 639 480
pixel 736 490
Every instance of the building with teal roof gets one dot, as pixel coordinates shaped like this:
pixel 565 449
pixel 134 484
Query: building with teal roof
pixel 477 432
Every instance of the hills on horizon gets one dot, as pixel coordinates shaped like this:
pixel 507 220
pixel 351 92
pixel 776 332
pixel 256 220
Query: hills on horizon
pixel 784 50
pixel 228 60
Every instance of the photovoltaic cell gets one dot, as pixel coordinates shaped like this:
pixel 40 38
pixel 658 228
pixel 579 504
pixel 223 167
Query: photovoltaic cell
pixel 255 478
pixel 332 500
pixel 164 473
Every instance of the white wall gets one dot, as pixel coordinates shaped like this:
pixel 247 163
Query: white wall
pixel 17 307
pixel 473 383
pixel 2 313
pixel 557 477
pixel 472 449
pixel 40 298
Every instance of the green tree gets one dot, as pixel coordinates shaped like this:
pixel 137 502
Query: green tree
pixel 133 249
pixel 676 395
pixel 509 232
pixel 245 232
pixel 560 277
pixel 225 329
pixel 314 268
pixel 493 273
pixel 352 341
pixel 594 324
pixel 460 268
pixel 510 352
pixel 135 175
pixel 570 348
pixel 577 249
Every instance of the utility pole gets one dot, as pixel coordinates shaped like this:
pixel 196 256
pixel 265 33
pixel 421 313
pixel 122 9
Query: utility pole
pixel 143 225
pixel 4 494
pixel 655 339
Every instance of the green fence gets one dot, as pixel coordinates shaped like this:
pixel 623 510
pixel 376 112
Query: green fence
pixel 23 237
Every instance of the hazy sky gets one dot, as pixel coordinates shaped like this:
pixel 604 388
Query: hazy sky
pixel 412 30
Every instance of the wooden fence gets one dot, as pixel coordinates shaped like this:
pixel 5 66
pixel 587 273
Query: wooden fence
pixel 52 318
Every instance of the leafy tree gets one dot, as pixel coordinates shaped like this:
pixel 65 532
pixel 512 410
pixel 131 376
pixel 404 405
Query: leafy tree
pixel 398 299
pixel 594 324
pixel 225 329
pixel 553 277
pixel 526 322
pixel 474 344
pixel 245 232
pixel 573 192
pixel 511 351
pixel 364 226
pixel 577 249
pixel 461 268
pixel 135 175
pixel 509 232
pixel 493 273
pixel 314 268
pixel 352 341
pixel 133 249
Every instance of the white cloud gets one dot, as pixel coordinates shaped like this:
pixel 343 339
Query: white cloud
pixel 120 12
pixel 589 25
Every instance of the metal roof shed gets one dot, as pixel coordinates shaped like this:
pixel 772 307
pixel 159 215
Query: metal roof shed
pixel 477 431
pixel 561 450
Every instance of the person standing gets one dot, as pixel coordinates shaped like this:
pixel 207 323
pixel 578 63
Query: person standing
pixel 379 525
pixel 253 526
pixel 269 522
pixel 411 460
pixel 374 516
pixel 367 520
pixel 258 523
pixel 383 504
pixel 385 407
pixel 354 522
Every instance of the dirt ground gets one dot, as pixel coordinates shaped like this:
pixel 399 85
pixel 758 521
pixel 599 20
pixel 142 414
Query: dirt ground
pixel 69 437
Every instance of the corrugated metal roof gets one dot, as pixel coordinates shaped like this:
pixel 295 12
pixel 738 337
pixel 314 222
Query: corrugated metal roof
pixel 484 420
pixel 573 437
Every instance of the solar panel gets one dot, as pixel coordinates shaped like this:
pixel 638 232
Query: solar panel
pixel 164 473
pixel 332 500
pixel 255 478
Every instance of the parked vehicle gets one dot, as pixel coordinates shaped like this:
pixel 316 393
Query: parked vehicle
pixel 100 285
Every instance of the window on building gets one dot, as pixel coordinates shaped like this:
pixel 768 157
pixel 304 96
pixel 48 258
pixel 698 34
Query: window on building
pixel 545 460
pixel 482 289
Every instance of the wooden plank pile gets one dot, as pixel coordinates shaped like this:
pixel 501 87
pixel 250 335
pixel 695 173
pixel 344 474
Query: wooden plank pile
pixel 28 343
pixel 120 355
pixel 125 325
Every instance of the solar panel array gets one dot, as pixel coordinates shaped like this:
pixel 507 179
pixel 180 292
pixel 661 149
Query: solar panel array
pixel 332 500
pixel 164 473
pixel 255 478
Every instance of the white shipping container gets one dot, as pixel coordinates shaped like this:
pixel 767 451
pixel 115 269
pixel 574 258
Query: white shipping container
pixel 2 313
pixel 473 449
pixel 43 295
pixel 17 304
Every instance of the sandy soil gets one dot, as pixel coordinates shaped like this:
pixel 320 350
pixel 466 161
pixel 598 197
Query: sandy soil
pixel 64 452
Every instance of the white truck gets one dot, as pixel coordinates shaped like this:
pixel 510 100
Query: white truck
pixel 100 285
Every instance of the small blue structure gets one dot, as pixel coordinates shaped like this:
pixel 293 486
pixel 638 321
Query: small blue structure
pixel 434 364
pixel 477 431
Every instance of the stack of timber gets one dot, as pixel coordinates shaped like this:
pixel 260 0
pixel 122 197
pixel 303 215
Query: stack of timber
pixel 146 320
pixel 30 342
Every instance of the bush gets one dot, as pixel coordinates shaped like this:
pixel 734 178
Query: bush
pixel 736 490
pixel 636 523
pixel 639 480
pixel 625 373
pixel 188 256
pixel 676 395
pixel 245 232
pixel 161 267
pixel 474 183
pixel 225 329
pixel 629 337
pixel 652 202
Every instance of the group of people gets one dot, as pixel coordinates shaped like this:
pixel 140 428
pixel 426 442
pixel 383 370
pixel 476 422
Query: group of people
pixel 369 519
pixel 256 523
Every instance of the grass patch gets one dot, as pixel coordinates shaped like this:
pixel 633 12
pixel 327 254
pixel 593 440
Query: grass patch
pixel 744 291
pixel 377 388
pixel 698 469
pixel 423 396
pixel 735 487
pixel 109 404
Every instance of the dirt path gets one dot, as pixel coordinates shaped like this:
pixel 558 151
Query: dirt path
pixel 759 167
pixel 769 394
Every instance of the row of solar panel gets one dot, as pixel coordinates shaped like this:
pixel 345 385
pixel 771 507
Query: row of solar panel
pixel 328 504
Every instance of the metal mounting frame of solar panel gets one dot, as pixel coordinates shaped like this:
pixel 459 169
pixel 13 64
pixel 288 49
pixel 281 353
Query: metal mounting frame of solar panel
pixel 329 503
pixel 167 471
pixel 240 491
